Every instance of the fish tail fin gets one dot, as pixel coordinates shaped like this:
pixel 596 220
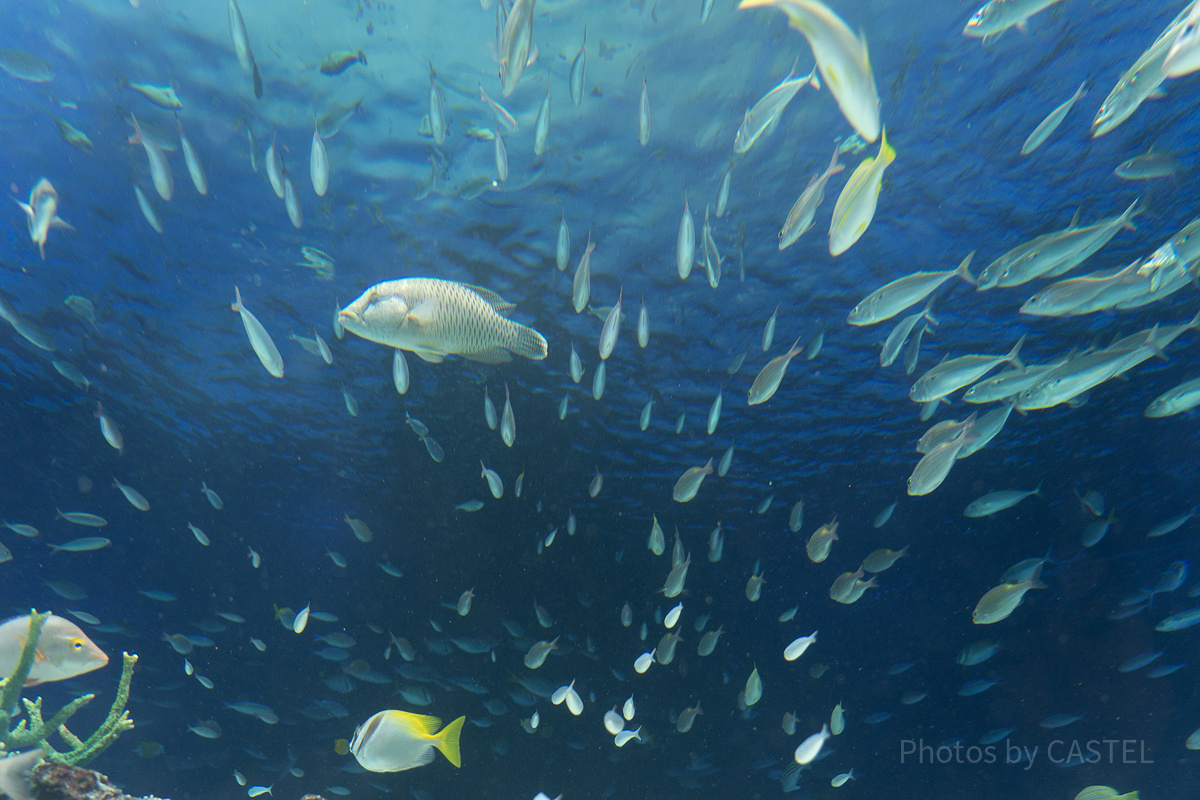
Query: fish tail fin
pixel 835 166
pixel 14 774
pixel 59 222
pixel 887 153
pixel 1014 355
pixel 362 57
pixel 1035 578
pixel 447 741
pixel 137 137
pixel 1129 214
pixel 528 343
pixel 814 80
pixel 964 270
pixel 237 299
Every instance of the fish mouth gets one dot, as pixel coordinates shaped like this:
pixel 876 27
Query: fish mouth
pixel 346 315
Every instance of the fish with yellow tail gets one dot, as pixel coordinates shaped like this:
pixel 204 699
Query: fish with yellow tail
pixel 63 650
pixel 393 741
pixel 42 214
pixel 855 206
pixel 435 318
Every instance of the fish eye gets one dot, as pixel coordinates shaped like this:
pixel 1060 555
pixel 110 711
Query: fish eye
pixel 77 644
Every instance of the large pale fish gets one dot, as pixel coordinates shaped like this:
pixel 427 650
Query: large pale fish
pixel 190 157
pixel 899 335
pixel 435 318
pixel 160 168
pixel 161 96
pixel 541 126
pixel 1054 253
pixel 515 44
pixel 1140 81
pixel 766 383
pixel 1069 297
pixel 63 650
pixel 1050 124
pixel 275 168
pixel 689 483
pixel 1002 600
pixel 562 246
pixel 578 70
pixel 581 284
pixel 437 112
pixel 953 374
pixel 856 204
pixel 1009 383
pixel 995 502
pixel 800 217
pixel 766 112
pixel 148 210
pixel 1154 163
pixel 1184 55
pixel 1183 397
pixel 318 164
pixel 241 42
pixel 890 299
pixel 644 116
pixel 260 340
pixel 685 242
pixel 1079 374
pixel 933 468
pixel 841 58
pixel 42 214
pixel 612 328
pixel 997 16
pixel 392 741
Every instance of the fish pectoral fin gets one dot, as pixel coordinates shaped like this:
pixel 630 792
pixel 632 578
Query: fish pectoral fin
pixel 497 355
pixel 423 313
pixel 430 356
pixel 59 222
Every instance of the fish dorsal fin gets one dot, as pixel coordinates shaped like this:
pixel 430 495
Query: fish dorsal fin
pixel 497 302
pixel 423 312
pixel 428 724
pixel 1074 220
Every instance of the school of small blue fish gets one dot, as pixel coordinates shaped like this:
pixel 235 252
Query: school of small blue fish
pixel 610 585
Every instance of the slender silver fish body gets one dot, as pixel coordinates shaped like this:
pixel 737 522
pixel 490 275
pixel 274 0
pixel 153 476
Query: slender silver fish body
pixel 436 318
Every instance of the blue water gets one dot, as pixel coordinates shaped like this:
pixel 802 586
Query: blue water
pixel 172 365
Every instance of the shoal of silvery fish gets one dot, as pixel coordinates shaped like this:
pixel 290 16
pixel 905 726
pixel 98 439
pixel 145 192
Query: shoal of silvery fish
pixel 435 319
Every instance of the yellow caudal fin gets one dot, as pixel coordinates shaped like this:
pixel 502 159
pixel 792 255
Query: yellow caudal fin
pixel 887 153
pixel 447 741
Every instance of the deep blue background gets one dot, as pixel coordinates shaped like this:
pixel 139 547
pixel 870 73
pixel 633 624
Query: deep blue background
pixel 171 363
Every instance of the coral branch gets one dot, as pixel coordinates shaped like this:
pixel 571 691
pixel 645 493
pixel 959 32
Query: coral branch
pixel 34 731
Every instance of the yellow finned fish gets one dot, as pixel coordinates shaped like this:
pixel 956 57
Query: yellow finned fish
pixel 392 741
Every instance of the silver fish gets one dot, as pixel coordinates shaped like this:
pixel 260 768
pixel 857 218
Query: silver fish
pixel 766 112
pixel 437 318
